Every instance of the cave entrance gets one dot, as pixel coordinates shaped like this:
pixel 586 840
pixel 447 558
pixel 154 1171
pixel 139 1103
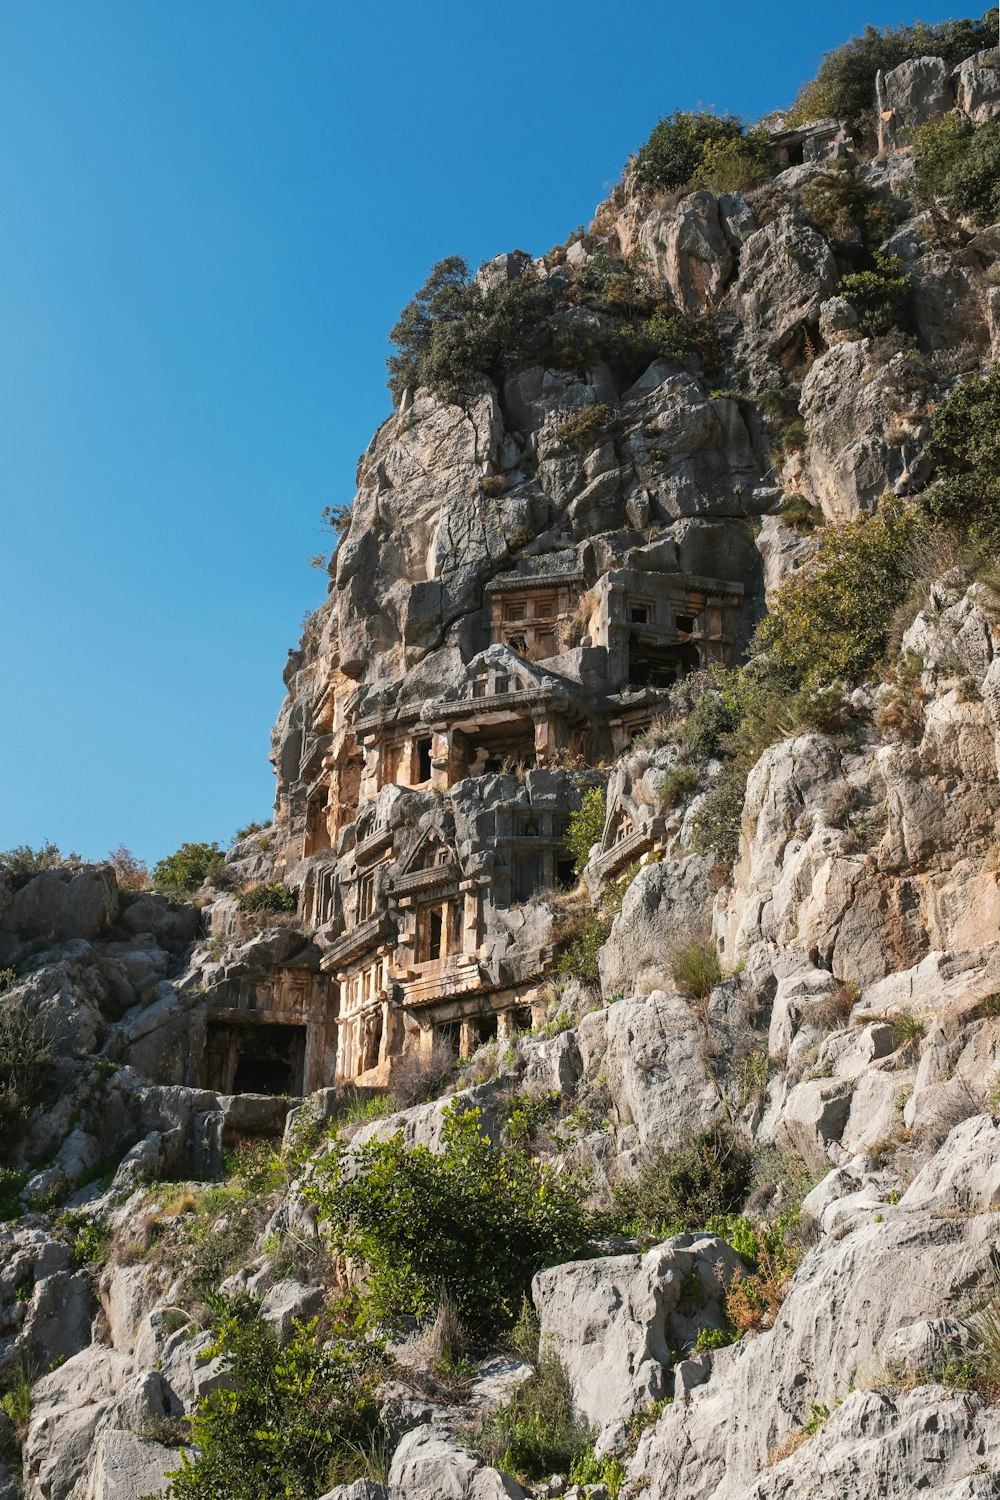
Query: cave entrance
pixel 660 666
pixel 248 1058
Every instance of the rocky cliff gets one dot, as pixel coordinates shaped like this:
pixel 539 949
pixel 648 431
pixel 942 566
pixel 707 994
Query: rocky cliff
pixel 637 790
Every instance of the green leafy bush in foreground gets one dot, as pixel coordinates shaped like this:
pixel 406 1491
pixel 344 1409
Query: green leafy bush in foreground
pixel 476 1221
pixel 301 1417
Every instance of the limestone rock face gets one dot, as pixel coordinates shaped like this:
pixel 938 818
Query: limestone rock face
pixel 529 587
pixel 666 904
pixel 916 91
pixel 614 1321
pixel 976 83
pixel 829 1334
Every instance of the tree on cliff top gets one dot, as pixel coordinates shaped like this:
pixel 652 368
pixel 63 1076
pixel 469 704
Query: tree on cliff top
pixel 454 334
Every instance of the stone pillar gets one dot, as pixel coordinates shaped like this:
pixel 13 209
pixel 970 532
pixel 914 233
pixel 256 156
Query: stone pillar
pixel 442 752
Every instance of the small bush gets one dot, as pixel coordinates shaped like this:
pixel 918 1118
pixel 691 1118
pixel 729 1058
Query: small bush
pixel 961 163
pixel 537 1432
pixel 476 1220
pixel 797 513
pixel 27 1063
pixel 679 783
pixel 608 1471
pixel 23 863
pixel 131 872
pixel 586 826
pixel 338 518
pixel 684 1189
pixel 585 427
pixel 11 1183
pixel 188 868
pixel 249 828
pixel 843 208
pixel 416 1077
pixel 16 1401
pixel 695 968
pixel 300 1418
pixel 581 959
pixel 737 165
pixel 879 296
pixel 709 717
pixel 831 619
pixel 261 899
pixel 715 827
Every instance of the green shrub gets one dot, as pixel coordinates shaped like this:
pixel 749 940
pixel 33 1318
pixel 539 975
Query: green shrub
pixel 23 863
pixel 844 87
pixel 831 619
pixel 27 1063
pixel 537 1432
pixel 962 163
pixel 16 1401
pixel 679 783
pixel 586 826
pixel 581 958
pixel 249 828
pixel 842 207
pixel 797 513
pixel 338 518
pixel 965 448
pixel 879 296
pixel 11 1183
pixel 695 968
pixel 476 1220
pixel 684 1189
pixel 301 1416
pixel 260 899
pixel 685 148
pixel 715 827
pixel 609 1471
pixel 709 717
pixel 188 868
pixel 735 165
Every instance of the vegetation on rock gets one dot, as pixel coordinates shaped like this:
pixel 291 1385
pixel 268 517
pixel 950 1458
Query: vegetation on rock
pixel 188 868
pixel 476 1220
pixel 702 149
pixel 961 162
pixel 299 1418
pixel 844 87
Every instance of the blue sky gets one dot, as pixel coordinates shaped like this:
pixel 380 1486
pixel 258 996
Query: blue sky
pixel 212 212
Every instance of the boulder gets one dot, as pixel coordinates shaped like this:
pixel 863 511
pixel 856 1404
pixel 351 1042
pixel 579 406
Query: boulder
pixel 613 1322
pixel 909 95
pixel 665 904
